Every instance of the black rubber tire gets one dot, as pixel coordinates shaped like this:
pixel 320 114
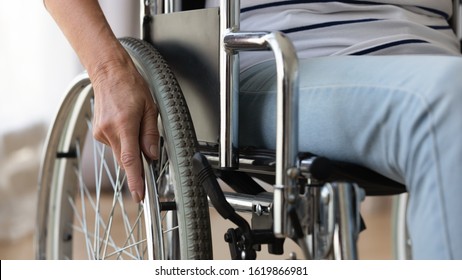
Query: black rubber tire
pixel 180 143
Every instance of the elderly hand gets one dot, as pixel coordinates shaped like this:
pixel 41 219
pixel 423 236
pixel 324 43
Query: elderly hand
pixel 125 118
pixel 125 115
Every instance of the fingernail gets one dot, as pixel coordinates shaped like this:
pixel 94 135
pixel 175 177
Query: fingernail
pixel 136 197
pixel 153 150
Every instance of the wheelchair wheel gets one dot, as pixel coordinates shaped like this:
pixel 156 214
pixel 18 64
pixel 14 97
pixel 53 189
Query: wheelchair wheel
pixel 85 210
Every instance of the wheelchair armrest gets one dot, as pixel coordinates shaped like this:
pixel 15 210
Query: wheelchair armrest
pixel 287 108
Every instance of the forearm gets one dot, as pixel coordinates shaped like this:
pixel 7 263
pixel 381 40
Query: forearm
pixel 125 116
pixel 85 27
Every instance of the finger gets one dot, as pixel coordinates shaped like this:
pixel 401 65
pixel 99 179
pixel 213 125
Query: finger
pixel 130 159
pixel 149 132
pixel 99 129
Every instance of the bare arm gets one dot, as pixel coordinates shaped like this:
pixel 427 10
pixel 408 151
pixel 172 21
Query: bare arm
pixel 84 25
pixel 125 115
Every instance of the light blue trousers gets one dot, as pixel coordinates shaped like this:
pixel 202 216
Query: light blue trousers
pixel 398 115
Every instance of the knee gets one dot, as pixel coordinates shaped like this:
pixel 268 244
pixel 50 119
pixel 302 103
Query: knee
pixel 445 74
pixel 440 86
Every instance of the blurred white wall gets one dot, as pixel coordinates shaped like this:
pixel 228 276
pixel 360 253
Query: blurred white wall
pixel 36 62
pixel 37 65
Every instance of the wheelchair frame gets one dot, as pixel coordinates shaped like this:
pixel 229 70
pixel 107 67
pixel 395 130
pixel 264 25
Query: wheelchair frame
pixel 288 166
pixel 302 184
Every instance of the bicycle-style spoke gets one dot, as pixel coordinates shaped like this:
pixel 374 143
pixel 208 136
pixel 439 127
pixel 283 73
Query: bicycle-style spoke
pixel 91 209
pixel 127 241
pixel 87 213
pixel 98 240
pixel 117 184
pixel 123 249
pixel 111 216
pixel 87 200
pixel 82 228
pixel 164 180
pixel 116 249
pixel 170 229
pixel 81 192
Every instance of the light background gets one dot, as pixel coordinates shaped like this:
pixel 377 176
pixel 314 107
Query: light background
pixel 36 67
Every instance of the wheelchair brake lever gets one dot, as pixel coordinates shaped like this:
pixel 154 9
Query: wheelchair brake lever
pixel 206 177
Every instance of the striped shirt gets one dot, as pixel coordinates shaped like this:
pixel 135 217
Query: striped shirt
pixel 373 27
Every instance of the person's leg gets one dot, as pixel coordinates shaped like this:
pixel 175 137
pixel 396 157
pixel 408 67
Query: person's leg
pixel 400 116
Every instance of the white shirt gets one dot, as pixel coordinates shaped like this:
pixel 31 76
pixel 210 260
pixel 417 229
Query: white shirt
pixel 373 27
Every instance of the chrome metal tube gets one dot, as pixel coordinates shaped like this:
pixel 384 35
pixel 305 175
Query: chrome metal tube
pixel 287 105
pixel 245 202
pixel 347 222
pixel 401 240
pixel 232 41
pixel 157 6
pixel 455 24
pixel 287 113
pixel 229 89
pixel 240 202
pixel 145 12
pixel 247 41
pixel 171 6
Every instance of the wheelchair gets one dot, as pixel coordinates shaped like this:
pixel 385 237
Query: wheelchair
pixel 313 201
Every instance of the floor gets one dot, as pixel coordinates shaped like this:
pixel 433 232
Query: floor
pixel 374 243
